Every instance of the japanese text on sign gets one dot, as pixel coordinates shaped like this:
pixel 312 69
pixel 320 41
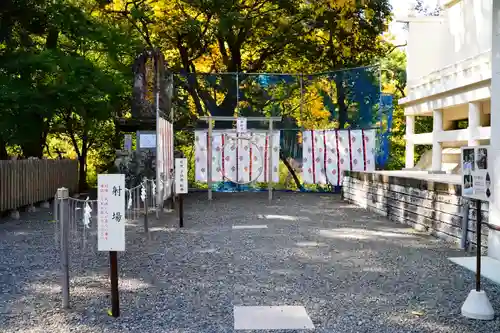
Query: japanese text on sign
pixel 476 176
pixel 111 212
pixel 241 125
pixel 128 142
pixel 147 140
pixel 181 182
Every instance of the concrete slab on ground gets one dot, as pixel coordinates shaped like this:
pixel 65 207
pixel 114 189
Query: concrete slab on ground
pixel 490 267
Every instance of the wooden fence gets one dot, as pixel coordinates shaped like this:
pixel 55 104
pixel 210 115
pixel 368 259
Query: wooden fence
pixel 26 182
pixel 431 206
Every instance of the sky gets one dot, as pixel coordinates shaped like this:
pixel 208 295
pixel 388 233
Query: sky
pixel 400 8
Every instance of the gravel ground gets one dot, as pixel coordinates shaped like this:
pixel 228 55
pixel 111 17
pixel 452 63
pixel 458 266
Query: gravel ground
pixel 352 271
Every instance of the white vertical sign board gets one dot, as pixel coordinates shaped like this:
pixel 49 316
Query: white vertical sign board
pixel 241 125
pixel 476 175
pixel 181 181
pixel 111 210
pixel 147 141
pixel 128 142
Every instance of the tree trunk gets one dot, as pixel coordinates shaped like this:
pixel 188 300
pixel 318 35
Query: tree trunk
pixel 31 149
pixel 36 140
pixel 82 173
pixel 202 95
pixel 292 172
pixel 3 150
pixel 82 167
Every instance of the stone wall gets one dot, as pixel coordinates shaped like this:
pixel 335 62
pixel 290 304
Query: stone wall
pixel 436 208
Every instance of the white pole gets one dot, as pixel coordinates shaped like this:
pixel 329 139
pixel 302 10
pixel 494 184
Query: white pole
pixel 209 158
pixel 158 194
pixel 474 123
pixel 410 146
pixel 237 94
pixel 270 161
pixel 63 197
pixel 494 214
pixel 437 150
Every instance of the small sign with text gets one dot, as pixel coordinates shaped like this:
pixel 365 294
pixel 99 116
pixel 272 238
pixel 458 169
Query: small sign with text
pixel 241 125
pixel 147 140
pixel 111 210
pixel 128 142
pixel 181 181
pixel 476 173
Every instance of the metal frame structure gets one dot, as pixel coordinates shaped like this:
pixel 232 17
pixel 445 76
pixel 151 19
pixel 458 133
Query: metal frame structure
pixel 301 80
pixel 210 120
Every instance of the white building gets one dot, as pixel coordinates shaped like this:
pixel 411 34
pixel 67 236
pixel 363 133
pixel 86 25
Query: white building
pixel 449 79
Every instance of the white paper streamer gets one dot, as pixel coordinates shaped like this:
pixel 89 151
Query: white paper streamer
pixel 87 210
pixel 143 192
pixel 129 202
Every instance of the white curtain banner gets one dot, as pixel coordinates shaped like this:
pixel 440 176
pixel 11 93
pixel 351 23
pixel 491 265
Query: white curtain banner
pixel 327 153
pixel 238 157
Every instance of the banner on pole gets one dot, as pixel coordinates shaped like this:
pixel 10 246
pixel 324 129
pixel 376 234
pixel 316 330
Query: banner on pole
pixel 328 153
pixel 236 159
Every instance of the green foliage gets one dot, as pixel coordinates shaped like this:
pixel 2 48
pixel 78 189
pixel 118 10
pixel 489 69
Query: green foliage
pixel 65 73
pixel 65 65
pixel 394 82
pixel 393 78
pixel 422 8
pixel 255 36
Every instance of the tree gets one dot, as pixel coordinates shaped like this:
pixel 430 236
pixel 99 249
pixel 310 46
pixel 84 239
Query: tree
pixel 394 83
pixel 393 73
pixel 66 63
pixel 23 95
pixel 344 37
pixel 65 70
pixel 23 28
pixel 85 113
pixel 420 7
pixel 206 36
pixel 253 36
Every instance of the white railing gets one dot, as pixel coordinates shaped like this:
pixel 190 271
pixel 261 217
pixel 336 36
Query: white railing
pixel 468 71
pixel 483 133
pixel 420 139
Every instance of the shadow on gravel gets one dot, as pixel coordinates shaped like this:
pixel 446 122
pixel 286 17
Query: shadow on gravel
pixel 351 270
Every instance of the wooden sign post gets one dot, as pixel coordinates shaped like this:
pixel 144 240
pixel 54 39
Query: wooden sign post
pixel 111 227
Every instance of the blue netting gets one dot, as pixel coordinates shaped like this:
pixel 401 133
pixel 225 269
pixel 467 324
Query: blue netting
pixel 348 98
pixel 385 120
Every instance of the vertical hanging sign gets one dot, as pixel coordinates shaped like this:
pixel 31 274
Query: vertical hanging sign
pixel 181 182
pixel 181 185
pixel 111 209
pixel 241 125
pixel 128 142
